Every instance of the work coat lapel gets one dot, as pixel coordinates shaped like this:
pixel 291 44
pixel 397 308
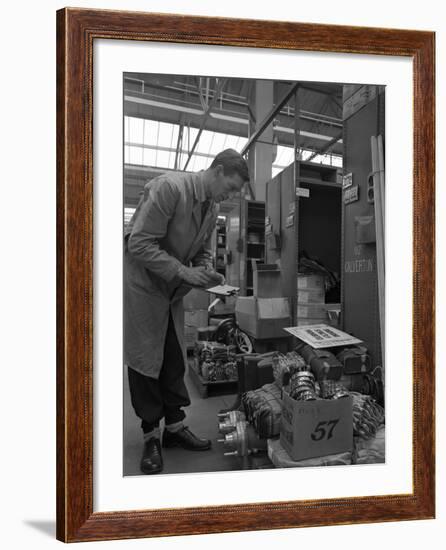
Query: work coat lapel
pixel 204 231
pixel 196 214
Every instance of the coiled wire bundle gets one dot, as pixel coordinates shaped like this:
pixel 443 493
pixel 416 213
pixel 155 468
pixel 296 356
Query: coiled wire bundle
pixel 302 386
pixel 263 409
pixel 368 415
pixel 284 366
pixel 333 390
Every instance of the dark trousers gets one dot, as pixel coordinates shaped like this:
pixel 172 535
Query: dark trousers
pixel 154 398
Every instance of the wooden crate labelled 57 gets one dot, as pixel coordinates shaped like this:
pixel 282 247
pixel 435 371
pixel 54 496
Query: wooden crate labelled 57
pixel 311 429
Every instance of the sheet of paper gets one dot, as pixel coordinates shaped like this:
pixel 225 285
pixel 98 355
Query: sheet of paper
pixel 323 336
pixel 223 290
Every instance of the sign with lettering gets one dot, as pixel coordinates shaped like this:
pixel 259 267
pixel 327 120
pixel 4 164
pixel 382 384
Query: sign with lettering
pixel 302 192
pixel 311 429
pixel 351 194
pixel 347 180
pixel 361 265
pixel 322 336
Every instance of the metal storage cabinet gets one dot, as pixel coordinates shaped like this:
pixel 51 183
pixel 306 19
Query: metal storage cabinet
pixel 362 119
pixel 244 227
pixel 295 223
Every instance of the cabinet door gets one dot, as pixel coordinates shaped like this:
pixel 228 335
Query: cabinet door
pixel 232 247
pixel 289 223
pixel 360 283
pixel 272 215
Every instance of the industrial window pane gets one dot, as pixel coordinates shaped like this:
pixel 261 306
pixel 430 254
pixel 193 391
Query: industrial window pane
pixel 218 143
pixel 241 142
pixel 276 170
pixel 135 129
pixel 149 157
pixel 205 142
pixel 162 159
pixel 173 143
pixel 128 213
pixel 135 155
pixel 231 142
pixel 126 128
pixel 150 132
pixel 189 136
pixel 164 134
pixel 200 163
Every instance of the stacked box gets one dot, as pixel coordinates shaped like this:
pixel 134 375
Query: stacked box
pixel 310 299
pixel 194 319
pixel 263 317
pixel 196 299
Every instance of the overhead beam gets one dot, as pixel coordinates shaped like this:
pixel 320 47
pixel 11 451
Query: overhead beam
pixel 212 104
pixel 326 148
pixel 179 145
pixel 269 118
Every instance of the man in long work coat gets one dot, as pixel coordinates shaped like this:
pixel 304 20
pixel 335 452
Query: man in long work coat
pixel 167 251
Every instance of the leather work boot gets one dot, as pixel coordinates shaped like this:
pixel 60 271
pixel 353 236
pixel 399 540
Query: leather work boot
pixel 151 460
pixel 186 439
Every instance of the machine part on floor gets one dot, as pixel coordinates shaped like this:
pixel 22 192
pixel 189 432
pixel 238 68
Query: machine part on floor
pixel 355 360
pixel 263 409
pixel 255 370
pixel 227 421
pixel 368 416
pixel 370 451
pixel 323 363
pixel 243 440
pixel 370 383
pixel 206 334
pixel 215 361
pixel 374 386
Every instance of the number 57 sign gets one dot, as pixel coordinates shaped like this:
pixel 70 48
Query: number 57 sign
pixel 312 429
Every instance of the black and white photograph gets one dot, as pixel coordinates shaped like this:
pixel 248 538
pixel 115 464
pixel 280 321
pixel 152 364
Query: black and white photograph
pixel 254 274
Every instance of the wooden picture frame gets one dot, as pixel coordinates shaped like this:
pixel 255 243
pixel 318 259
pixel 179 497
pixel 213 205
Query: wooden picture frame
pixel 77 29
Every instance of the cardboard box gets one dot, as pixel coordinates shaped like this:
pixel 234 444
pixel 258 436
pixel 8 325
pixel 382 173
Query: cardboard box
pixel 306 321
pixel 266 281
pixel 311 296
pixel 263 317
pixel 311 429
pixel 310 281
pixel 311 311
pixel 316 311
pixel 196 299
pixel 190 336
pixel 225 308
pixel 196 318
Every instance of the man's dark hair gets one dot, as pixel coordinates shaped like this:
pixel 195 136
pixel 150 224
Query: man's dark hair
pixel 232 162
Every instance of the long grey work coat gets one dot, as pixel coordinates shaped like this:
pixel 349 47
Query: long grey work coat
pixel 165 232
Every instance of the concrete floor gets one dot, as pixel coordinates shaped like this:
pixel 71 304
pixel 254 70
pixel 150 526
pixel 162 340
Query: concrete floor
pixel 201 419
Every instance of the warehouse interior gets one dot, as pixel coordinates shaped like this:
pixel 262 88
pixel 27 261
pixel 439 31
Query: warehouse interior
pixel 303 244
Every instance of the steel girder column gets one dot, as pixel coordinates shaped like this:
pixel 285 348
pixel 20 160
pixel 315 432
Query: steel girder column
pixel 261 152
